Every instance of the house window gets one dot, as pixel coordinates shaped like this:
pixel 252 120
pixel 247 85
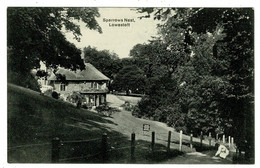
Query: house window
pixel 62 87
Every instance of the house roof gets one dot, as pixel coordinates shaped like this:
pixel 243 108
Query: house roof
pixel 89 74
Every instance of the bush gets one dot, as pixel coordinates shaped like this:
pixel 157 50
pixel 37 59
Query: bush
pixel 84 105
pixel 146 108
pixel 136 112
pixel 177 121
pixel 127 106
pixel 172 116
pixel 75 97
pixel 26 80
pixel 48 93
pixel 55 95
pixel 106 110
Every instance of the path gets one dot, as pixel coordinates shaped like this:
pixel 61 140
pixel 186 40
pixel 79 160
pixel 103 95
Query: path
pixel 206 157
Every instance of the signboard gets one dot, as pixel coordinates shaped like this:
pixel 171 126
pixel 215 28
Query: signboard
pixel 146 127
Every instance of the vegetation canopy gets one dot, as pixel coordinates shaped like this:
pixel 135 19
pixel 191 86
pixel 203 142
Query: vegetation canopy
pixel 36 34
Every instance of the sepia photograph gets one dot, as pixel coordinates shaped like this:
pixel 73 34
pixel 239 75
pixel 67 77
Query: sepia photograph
pixel 130 85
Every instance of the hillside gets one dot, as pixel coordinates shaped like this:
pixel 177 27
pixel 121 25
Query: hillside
pixel 35 119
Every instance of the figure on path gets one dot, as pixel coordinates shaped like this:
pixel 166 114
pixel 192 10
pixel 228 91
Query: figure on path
pixel 222 152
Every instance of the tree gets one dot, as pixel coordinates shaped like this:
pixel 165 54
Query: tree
pixel 36 34
pixel 230 62
pixel 105 61
pixel 130 78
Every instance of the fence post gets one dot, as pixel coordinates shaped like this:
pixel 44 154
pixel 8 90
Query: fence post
pixel 210 139
pixel 232 141
pixel 180 141
pixel 224 139
pixel 104 147
pixel 228 141
pixel 133 147
pixel 153 137
pixel 169 141
pixel 191 136
pixel 55 151
pixel 201 137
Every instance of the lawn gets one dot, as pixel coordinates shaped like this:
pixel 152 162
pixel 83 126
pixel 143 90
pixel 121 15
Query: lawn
pixel 130 99
pixel 37 119
pixel 34 120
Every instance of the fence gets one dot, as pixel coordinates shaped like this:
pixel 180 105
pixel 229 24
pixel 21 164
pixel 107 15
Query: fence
pixel 100 149
pixel 112 144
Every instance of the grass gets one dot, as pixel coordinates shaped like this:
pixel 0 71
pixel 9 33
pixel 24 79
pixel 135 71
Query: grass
pixel 36 119
pixel 130 99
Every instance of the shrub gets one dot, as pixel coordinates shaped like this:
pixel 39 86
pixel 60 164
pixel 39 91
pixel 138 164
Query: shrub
pixel 55 95
pixel 48 93
pixel 75 97
pixel 172 115
pixel 136 112
pixel 146 108
pixel 127 106
pixel 177 121
pixel 106 110
pixel 26 80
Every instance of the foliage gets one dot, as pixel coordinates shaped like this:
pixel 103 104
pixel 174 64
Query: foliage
pixel 106 62
pixel 136 112
pixel 75 97
pixel 128 106
pixel 26 80
pixel 130 78
pixel 55 95
pixel 41 73
pixel 35 34
pixel 61 78
pixel 106 110
pixel 212 51
pixel 173 116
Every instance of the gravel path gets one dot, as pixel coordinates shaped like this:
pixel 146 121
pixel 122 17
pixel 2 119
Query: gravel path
pixel 206 157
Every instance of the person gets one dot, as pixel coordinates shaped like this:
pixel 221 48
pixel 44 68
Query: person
pixel 222 152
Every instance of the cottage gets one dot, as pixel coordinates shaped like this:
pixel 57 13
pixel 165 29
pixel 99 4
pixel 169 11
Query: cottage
pixel 90 83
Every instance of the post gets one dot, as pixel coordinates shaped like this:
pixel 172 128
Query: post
pixel 224 139
pixel 201 138
pixel 228 141
pixel 55 151
pixel 217 137
pixel 133 147
pixel 104 147
pixel 232 141
pixel 191 137
pixel 105 98
pixel 95 100
pixel 169 141
pixel 180 141
pixel 152 144
pixel 210 139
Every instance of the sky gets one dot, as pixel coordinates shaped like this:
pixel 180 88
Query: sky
pixel 119 40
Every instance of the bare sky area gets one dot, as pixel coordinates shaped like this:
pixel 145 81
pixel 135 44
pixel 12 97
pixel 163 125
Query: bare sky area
pixel 119 40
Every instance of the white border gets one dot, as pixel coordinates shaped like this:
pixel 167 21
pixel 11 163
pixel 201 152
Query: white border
pixel 116 3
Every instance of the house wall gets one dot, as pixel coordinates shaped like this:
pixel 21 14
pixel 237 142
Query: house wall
pixel 94 100
pixel 76 86
pixel 79 86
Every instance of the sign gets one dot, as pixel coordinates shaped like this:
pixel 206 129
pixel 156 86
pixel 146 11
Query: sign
pixel 146 127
